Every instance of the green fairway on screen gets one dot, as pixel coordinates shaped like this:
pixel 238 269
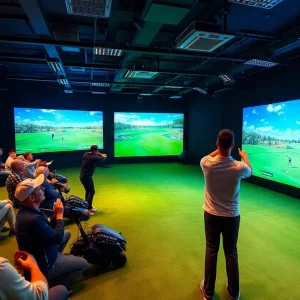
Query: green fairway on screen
pixel 148 134
pixel 50 130
pixel 271 136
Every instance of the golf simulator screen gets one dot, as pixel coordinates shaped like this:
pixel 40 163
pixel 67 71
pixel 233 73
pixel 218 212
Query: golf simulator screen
pixel 50 130
pixel 271 136
pixel 148 134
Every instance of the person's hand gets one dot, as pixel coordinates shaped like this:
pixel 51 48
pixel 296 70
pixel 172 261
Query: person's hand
pixel 10 202
pixel 58 209
pixel 242 153
pixel 104 155
pixel 24 261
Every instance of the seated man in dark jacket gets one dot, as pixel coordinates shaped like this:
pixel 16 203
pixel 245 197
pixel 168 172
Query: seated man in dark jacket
pixel 51 195
pixel 44 240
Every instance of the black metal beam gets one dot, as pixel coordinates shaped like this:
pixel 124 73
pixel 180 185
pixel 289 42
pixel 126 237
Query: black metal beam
pixel 50 80
pixel 106 67
pixel 125 48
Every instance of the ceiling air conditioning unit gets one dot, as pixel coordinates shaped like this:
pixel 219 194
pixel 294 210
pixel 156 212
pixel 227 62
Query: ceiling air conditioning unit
pixel 201 36
pixel 89 8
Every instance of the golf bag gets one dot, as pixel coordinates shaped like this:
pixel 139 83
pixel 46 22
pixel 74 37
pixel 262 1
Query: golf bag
pixel 102 246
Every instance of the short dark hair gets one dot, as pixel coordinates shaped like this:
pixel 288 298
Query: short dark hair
pixel 94 148
pixel 12 150
pixel 26 154
pixel 225 139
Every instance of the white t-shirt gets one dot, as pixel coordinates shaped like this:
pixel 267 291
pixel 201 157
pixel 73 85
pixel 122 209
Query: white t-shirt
pixel 14 286
pixel 222 184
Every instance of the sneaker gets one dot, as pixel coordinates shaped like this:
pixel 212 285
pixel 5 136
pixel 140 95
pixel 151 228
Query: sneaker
pixel 230 297
pixel 92 209
pixel 203 291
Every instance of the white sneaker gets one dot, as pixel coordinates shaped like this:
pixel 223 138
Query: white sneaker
pixel 93 209
pixel 230 297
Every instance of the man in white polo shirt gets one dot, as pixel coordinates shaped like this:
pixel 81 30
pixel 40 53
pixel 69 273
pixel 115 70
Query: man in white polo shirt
pixel 223 176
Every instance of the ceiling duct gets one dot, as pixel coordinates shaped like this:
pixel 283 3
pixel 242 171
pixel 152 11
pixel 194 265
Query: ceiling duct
pixel 89 8
pixel 201 36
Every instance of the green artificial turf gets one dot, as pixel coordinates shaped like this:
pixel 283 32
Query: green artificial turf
pixel 158 208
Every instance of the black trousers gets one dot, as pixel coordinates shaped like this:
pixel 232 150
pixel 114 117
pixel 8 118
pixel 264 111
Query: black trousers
pixel 88 184
pixel 229 228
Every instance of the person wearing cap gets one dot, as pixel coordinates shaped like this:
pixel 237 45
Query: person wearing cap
pixel 89 162
pixel 11 156
pixel 14 286
pixel 16 176
pixel 30 165
pixel 7 215
pixel 43 239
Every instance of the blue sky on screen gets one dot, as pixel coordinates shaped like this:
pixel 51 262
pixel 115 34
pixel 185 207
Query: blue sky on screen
pixel 147 119
pixel 52 117
pixel 279 120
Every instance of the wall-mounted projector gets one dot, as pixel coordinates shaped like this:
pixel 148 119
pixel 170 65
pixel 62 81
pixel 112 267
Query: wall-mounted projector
pixel 201 36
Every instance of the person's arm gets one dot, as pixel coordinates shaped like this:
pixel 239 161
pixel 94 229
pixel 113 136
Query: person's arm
pixel 25 261
pixel 244 156
pixel 17 285
pixel 214 153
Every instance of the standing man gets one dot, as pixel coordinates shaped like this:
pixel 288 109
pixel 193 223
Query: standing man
pixel 289 160
pixel 89 162
pixel 223 176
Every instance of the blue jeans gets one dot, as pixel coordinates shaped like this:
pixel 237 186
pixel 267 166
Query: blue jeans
pixel 58 292
pixel 229 228
pixel 66 267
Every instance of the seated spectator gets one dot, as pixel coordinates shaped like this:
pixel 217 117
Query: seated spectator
pixel 14 286
pixel 7 215
pixel 51 195
pixel 2 165
pixel 16 176
pixel 43 239
pixel 11 156
pixel 30 165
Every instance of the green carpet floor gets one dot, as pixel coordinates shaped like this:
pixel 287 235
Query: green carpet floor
pixel 158 208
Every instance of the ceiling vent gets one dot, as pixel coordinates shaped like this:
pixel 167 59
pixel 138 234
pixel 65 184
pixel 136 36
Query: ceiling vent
pixel 200 36
pixel 89 8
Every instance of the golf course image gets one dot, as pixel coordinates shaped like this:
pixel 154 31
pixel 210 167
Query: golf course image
pixel 143 134
pixel 42 130
pixel 271 137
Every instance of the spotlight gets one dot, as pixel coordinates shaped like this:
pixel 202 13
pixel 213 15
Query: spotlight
pixel 103 84
pixel 98 93
pixel 107 51
pixel 202 91
pixel 68 91
pixel 63 80
pixel 55 65
pixel 227 79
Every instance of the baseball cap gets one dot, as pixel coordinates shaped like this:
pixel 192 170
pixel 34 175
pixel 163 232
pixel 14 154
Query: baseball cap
pixel 26 187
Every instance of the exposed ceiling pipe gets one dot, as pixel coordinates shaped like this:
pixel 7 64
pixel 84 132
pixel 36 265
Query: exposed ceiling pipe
pixel 125 48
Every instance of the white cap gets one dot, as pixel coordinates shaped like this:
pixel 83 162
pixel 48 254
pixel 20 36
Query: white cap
pixel 49 163
pixel 26 187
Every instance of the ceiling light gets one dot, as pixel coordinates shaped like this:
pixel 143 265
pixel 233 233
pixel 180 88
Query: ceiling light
pixel 140 74
pixel 203 91
pixel 145 94
pixel 173 87
pixel 55 66
pixel 227 79
pixel 68 91
pixel 261 63
pixel 103 84
pixel 99 93
pixel 175 97
pixel 268 4
pixel 107 51
pixel 63 81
